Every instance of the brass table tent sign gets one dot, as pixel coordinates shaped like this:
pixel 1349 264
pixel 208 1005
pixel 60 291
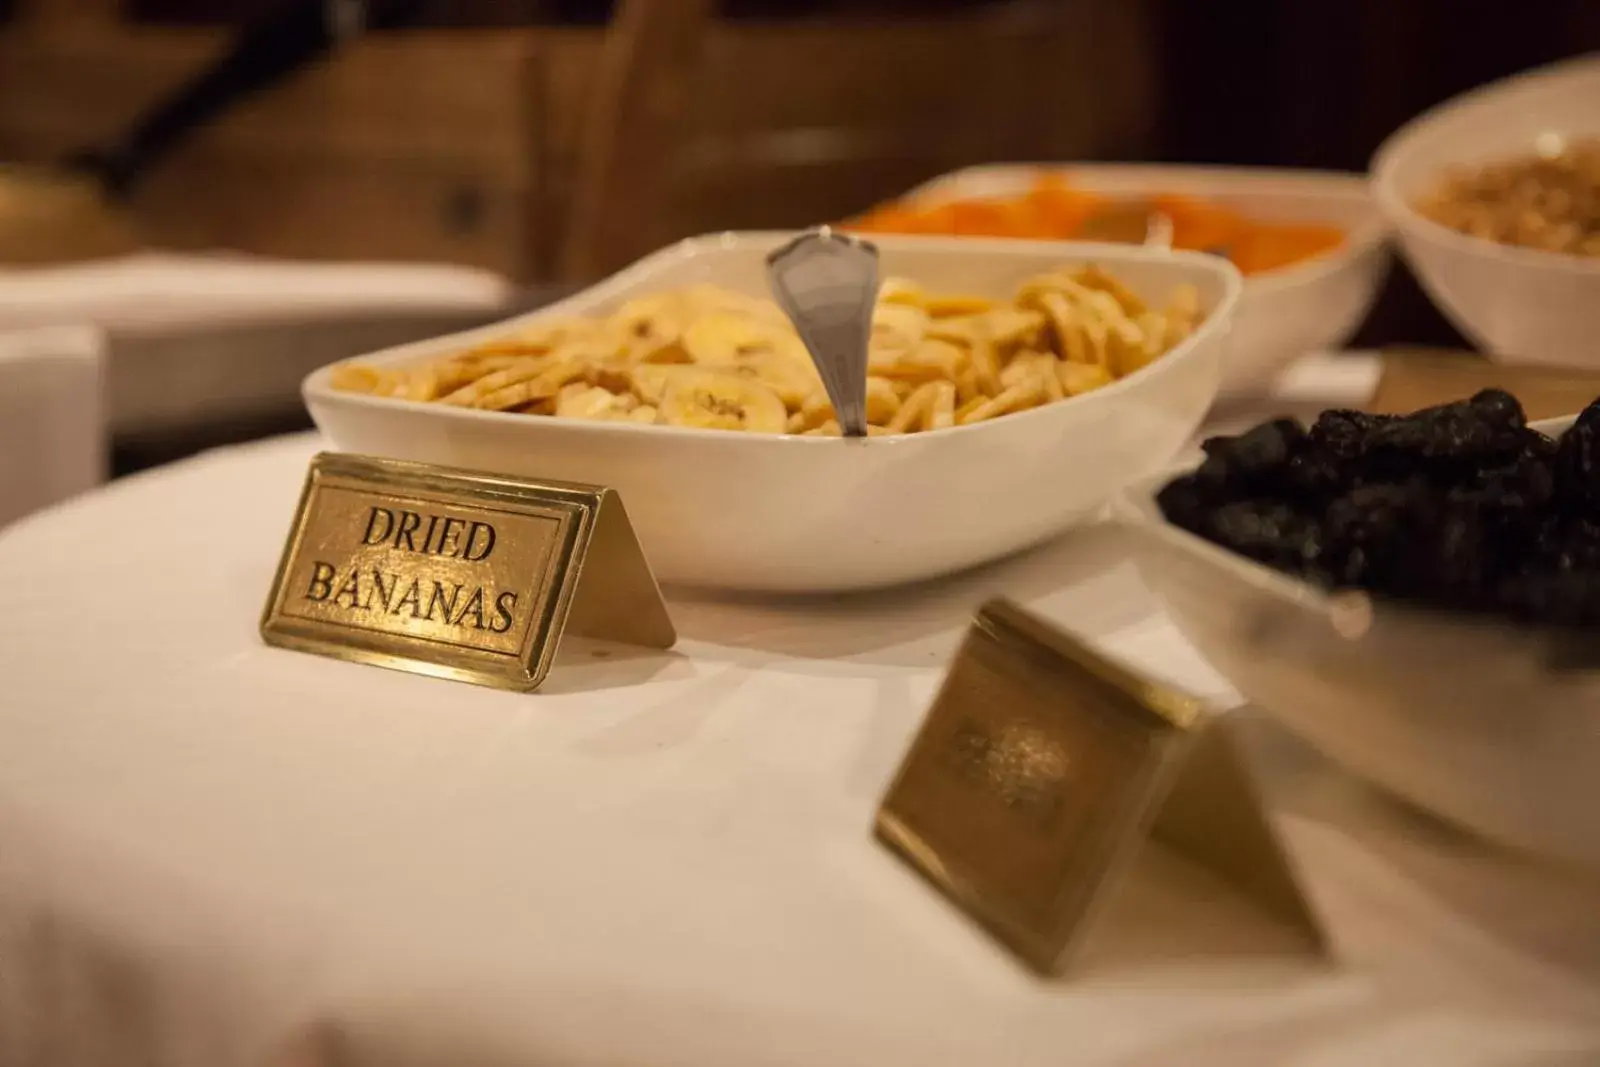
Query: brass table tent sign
pixel 1040 770
pixel 456 574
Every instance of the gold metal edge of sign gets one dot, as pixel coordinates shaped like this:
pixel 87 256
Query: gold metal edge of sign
pixel 659 632
pixel 564 582
pixel 1122 835
pixel 495 679
pixel 520 672
pixel 1009 623
pixel 291 549
pixel 1042 950
pixel 1046 948
pixel 624 603
pixel 925 861
pixel 1169 720
pixel 391 473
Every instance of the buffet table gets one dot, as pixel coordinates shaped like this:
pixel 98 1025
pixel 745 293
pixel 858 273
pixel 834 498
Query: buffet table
pixel 213 852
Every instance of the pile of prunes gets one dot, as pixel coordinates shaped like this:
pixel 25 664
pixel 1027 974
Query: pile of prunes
pixel 1462 507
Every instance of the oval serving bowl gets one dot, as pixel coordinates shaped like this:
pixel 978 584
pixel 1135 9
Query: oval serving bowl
pixel 1462 717
pixel 1520 305
pixel 806 514
pixel 1313 305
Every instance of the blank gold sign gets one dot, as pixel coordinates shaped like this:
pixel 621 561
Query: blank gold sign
pixel 1042 767
pixel 456 574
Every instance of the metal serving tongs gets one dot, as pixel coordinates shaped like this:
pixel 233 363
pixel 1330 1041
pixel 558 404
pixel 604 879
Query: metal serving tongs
pixel 827 283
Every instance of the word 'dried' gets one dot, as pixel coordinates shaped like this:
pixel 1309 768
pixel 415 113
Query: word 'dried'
pixel 450 573
pixel 464 575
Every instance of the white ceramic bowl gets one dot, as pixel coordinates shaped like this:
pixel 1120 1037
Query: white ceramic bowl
pixel 1518 304
pixel 1310 306
pixel 770 512
pixel 1462 718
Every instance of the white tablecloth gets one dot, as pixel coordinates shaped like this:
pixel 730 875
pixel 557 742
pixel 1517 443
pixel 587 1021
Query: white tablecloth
pixel 216 853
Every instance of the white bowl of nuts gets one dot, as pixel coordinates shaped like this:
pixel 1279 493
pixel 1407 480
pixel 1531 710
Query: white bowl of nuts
pixel 1014 387
pixel 1496 198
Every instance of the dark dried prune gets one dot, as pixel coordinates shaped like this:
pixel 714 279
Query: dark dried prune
pixel 1522 482
pixel 1344 435
pixel 1499 408
pixel 1536 445
pixel 1402 540
pixel 1253 462
pixel 1370 532
pixel 1315 477
pixel 1186 502
pixel 1550 597
pixel 1461 506
pixel 1455 566
pixel 1475 429
pixel 1268 531
pixel 1562 544
pixel 1577 463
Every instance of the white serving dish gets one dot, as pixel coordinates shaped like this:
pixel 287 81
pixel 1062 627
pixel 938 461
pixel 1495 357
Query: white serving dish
pixel 777 513
pixel 1518 304
pixel 1459 717
pixel 1311 306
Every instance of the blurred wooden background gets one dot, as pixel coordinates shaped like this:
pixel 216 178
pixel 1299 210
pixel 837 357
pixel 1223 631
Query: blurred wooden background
pixel 555 140
pixel 559 152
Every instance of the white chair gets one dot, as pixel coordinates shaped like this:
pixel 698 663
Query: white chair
pixel 53 435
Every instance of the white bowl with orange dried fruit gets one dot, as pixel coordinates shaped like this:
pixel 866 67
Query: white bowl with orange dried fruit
pixel 1311 244
pixel 1015 388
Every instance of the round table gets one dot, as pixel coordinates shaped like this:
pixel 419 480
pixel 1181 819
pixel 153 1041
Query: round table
pixel 213 852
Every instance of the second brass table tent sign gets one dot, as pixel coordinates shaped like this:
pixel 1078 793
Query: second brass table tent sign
pixel 458 574
pixel 1042 767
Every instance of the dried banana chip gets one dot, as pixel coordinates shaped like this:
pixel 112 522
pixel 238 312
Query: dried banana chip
pixel 712 358
pixel 967 385
pixel 355 378
pixel 914 410
pixel 897 327
pixel 713 400
pixel 950 306
pixel 793 380
pixel 901 291
pixel 942 408
pixel 580 401
pixel 986 366
pixel 1015 398
pixel 1092 277
pixel 1079 378
pixel 546 384
pixel 1067 326
pixel 1009 327
pixel 882 403
pixel 928 361
pixel 726 337
pixel 520 371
